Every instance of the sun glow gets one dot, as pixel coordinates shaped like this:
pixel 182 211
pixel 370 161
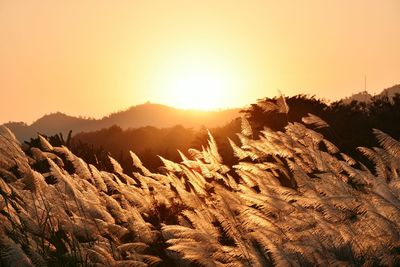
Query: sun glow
pixel 198 83
pixel 198 89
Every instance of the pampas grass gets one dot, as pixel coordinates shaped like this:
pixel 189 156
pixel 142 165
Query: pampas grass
pixel 292 200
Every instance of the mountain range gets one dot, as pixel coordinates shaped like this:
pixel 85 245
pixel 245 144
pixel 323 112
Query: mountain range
pixel 148 114
pixel 137 116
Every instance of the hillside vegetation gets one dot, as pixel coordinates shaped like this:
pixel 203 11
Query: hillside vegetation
pixel 351 126
pixel 293 199
pixel 137 116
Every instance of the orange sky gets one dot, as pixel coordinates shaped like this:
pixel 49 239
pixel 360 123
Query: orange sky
pixel 94 57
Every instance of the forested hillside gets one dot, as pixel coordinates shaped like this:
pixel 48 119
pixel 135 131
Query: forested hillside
pixel 148 114
pixel 351 126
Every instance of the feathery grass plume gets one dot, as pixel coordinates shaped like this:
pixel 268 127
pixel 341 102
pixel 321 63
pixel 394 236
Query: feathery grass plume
pixel 314 120
pixel 282 105
pixel 194 245
pixel 78 165
pixel 11 253
pixel 277 255
pixel 45 144
pixel 12 157
pixel 349 160
pixel 120 176
pixel 245 127
pixel 112 186
pixel 267 106
pixel 138 226
pixel 388 143
pixel 135 246
pixel 97 256
pixel 116 166
pixel 137 163
pixel 97 179
pixel 237 151
pixel 215 157
pixel 380 167
pixel 129 263
pixel 170 165
pixel 183 157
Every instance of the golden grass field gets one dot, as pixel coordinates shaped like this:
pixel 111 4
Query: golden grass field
pixel 293 200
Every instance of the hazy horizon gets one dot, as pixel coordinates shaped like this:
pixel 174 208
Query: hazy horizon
pixel 93 58
pixel 102 116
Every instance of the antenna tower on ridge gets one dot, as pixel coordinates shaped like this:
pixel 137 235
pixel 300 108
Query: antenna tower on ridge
pixel 365 83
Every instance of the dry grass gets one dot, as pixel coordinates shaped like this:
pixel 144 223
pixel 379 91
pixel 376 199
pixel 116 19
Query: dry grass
pixel 293 200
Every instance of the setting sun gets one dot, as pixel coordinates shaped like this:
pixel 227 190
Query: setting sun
pixel 198 89
pixel 199 82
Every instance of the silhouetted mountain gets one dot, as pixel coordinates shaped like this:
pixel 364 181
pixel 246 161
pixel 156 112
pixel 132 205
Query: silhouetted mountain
pixel 391 91
pixel 366 97
pixel 137 116
pixel 363 96
pixel 164 116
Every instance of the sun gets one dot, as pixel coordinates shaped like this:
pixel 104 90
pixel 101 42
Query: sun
pixel 199 83
pixel 198 89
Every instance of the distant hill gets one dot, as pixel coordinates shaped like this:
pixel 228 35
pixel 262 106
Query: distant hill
pixel 363 96
pixel 137 116
pixel 391 91
pixel 366 97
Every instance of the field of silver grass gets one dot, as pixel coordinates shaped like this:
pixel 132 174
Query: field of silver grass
pixel 293 200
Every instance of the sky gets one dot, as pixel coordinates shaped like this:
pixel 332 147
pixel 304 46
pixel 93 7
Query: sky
pixel 94 57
